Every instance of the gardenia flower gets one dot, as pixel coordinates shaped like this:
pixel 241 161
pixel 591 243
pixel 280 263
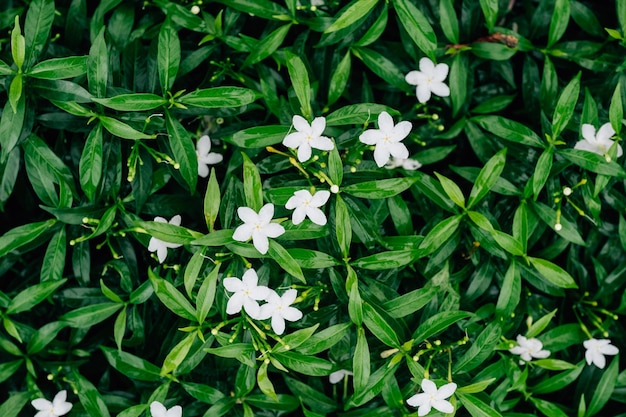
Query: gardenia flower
pixel 246 294
pixel 307 205
pixel 258 227
pixel 433 398
pixel 279 309
pixel 205 156
pixel 387 139
pixel 408 164
pixel 596 349
pixel 307 137
pixel 159 246
pixel 58 406
pixel 529 349
pixel 598 142
pixel 337 376
pixel 158 410
pixel 429 79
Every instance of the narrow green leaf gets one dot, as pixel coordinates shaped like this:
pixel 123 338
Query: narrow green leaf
pixel 218 97
pixel 449 20
pixel 417 26
pixel 90 315
pixel 305 364
pixel 173 299
pixel 119 328
pixel 381 66
pixel 542 171
pixel 553 273
pixel 90 166
pixel 132 366
pixel 475 406
pixel 593 162
pixel 351 14
pixel 33 295
pixel 376 29
pixel 132 102
pixel 192 270
pixel 212 201
pixel 14 404
pixel 253 190
pixel 487 177
pixel 98 66
pixel 379 326
pixel 538 326
pixel 509 130
pixel 59 68
pixel 510 293
pixel 184 151
pixel 339 79
pixel 387 260
pixel 122 130
pixel 437 323
pixel 361 361
pixel 380 188
pixel 178 354
pixel 18 44
pixel 168 55
pixel 260 136
pixel 265 385
pixel 409 303
pixel 301 85
pixel 15 91
pixel 22 235
pixel 559 21
pixel 11 123
pixel 565 106
pixel 54 258
pixel 452 190
pixel 267 45
pixel 206 294
pixel 37 27
pixel 439 235
pixel 616 109
pixel 343 228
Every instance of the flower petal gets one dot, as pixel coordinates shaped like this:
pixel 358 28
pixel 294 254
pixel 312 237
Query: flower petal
pixel 247 215
pixel 585 145
pixel 371 136
pixel 243 233
pixel 235 303
pixel 203 170
pixel 203 146
pixel 301 125
pixel 278 324
pixel 176 411
pixel 273 230
pixel 298 215
pixel 176 220
pixel 423 93
pixel 446 391
pixel 260 242
pixel 317 126
pixel 414 78
pixel 418 400
pixel 294 140
pixel 317 216
pixel 427 66
pixel 589 133
pixel 322 143
pixel 605 132
pixel 400 131
pixel 399 150
pixel 289 296
pixel 157 409
pixel 293 202
pixel 162 253
pixel 250 279
pixel 441 72
pixel 439 89
pixel 443 406
pixel 381 155
pixel 319 198
pixel 233 284
pixel 266 213
pixel 385 122
pixel 304 152
pixel 291 313
pixel 252 307
pixel 429 386
pixel 41 404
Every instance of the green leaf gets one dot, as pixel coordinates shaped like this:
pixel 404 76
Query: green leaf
pixel 311 396
pixel 37 27
pixel 216 238
pixel 132 102
pixel 567 103
pixel 301 85
pixel 554 364
pixel 417 26
pixel 173 299
pixel 33 295
pixel 169 232
pixel 361 361
pixel 206 294
pixel 459 72
pixel 132 366
pixel 325 339
pixel 437 323
pixel 285 260
pixel 218 97
pixel 542 171
pixel 178 354
pixel 202 392
pixel 265 9
pixel 295 339
pixel 387 260
pixel 381 66
pixel 452 190
pixel 449 20
pixel 54 258
pixel 59 68
pixel 409 303
pixel 168 55
pixel 98 66
pixel 493 51
pixel 46 334
pixel 90 166
pixel 548 408
pixel 122 130
pixel 184 151
pixel 212 200
pixel 335 166
pixel 355 303
pixel 355 11
pixel 14 404
pixel 264 383
pixel 380 188
pixel 379 326
pixel 487 177
pixel 343 228
pixel 11 123
pixel 357 114
pixel 119 328
pixel 304 364
pixel 558 382
pixel 312 259
pixel 18 45
pixel 15 91
pixel 569 229
pixel 260 136
pixel 7 369
pixel 490 10
pixel 253 190
pixel 339 79
pixel 90 315
pixel 439 234
pixel 553 273
pixel 559 21
pixel 593 162
pixel 510 292
pixel 537 327
pixel 483 347
pixel 475 406
pixel 509 130
pixel 23 235
pixel 243 352
pixel 267 45
pixel 616 110
pixel 604 389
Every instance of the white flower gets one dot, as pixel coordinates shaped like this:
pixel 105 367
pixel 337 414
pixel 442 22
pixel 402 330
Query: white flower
pixel 387 139
pixel 408 164
pixel 246 294
pixel 205 156
pixel 337 376
pixel 258 227
pixel 429 79
pixel 307 137
pixel 279 309
pixel 307 205
pixel 529 349
pixel 433 398
pixel 159 246
pixel 596 349
pixel 598 143
pixel 158 410
pixel 58 406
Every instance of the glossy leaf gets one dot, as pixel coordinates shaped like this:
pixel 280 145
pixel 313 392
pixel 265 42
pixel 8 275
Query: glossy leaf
pixel 417 26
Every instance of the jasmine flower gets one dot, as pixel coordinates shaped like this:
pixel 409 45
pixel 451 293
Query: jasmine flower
pixel 337 376
pixel 429 79
pixel 596 349
pixel 258 227
pixel 408 164
pixel 279 309
pixel 58 406
pixel 307 205
pixel 433 398
pixel 159 246
pixel 387 139
pixel 158 410
pixel 529 349
pixel 205 156
pixel 307 137
pixel 599 142
pixel 246 294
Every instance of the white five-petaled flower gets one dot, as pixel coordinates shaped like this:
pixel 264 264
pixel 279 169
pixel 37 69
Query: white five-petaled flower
pixel 158 410
pixel 599 142
pixel 159 246
pixel 279 309
pixel 529 349
pixel 433 398
pixel 247 294
pixel 57 407
pixel 408 164
pixel 387 139
pixel 337 376
pixel 307 205
pixel 596 349
pixel 258 227
pixel 205 156
pixel 429 79
pixel 308 136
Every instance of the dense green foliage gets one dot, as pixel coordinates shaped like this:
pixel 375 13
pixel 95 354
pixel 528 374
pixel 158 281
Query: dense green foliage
pixel 505 229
